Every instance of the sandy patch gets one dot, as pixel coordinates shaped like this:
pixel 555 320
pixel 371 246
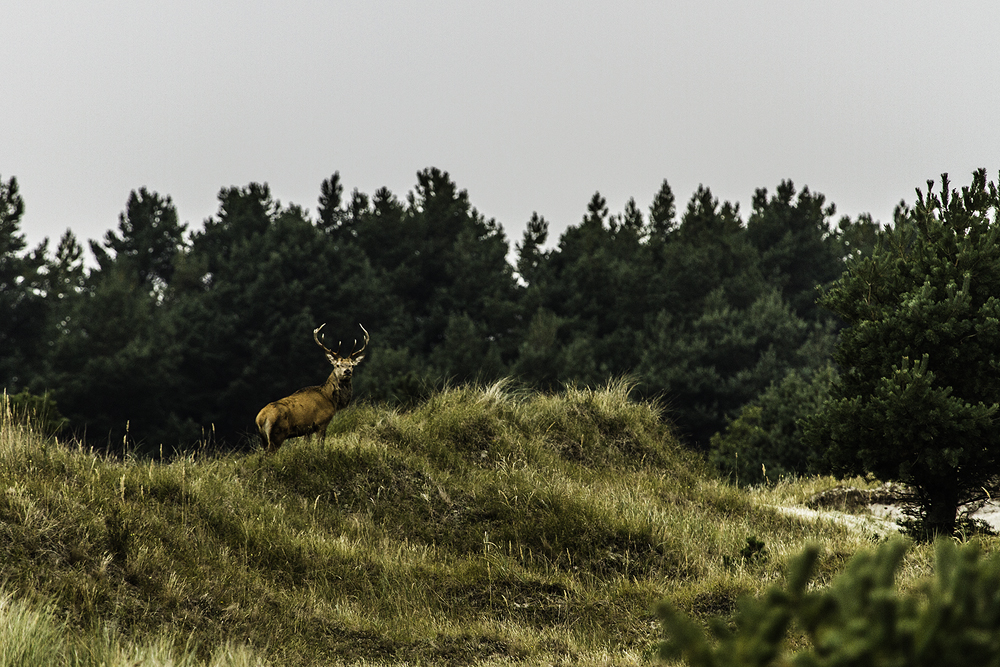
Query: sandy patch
pixel 880 525
pixel 882 518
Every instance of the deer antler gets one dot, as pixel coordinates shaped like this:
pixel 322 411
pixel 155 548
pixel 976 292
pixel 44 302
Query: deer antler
pixel 357 352
pixel 330 353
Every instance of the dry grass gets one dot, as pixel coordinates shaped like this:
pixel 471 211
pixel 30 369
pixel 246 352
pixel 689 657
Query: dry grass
pixel 484 526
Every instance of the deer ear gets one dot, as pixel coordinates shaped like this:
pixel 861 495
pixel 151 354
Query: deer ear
pixel 357 360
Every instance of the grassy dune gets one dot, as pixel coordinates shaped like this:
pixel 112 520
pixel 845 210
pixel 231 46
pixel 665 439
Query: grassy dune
pixel 486 525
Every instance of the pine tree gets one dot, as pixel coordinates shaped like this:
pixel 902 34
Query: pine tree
pixel 919 391
pixel 148 239
pixel 797 246
pixel 530 255
pixel 22 309
pixel 662 212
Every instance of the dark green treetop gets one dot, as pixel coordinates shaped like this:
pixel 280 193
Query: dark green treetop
pixel 22 310
pixel 148 239
pixel 791 233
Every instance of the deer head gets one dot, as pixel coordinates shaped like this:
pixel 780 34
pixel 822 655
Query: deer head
pixel 343 367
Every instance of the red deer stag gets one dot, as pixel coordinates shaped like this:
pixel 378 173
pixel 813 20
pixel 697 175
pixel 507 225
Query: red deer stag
pixel 310 410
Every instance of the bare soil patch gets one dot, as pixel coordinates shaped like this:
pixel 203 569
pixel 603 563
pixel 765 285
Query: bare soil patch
pixel 879 510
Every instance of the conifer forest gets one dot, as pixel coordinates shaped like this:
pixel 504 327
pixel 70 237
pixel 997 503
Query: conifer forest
pixel 176 334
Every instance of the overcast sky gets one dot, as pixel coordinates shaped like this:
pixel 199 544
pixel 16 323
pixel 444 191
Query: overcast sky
pixel 530 106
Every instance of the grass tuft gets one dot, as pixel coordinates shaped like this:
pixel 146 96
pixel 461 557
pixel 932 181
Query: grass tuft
pixel 485 525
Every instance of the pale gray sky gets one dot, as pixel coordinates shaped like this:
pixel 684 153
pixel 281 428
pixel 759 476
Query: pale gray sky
pixel 531 106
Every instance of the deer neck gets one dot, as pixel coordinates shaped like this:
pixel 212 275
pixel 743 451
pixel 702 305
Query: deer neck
pixel 338 392
pixel 331 387
pixel 345 394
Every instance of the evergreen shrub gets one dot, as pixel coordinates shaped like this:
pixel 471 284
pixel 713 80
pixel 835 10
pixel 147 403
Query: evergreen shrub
pixel 860 619
pixel 764 442
pixel 38 411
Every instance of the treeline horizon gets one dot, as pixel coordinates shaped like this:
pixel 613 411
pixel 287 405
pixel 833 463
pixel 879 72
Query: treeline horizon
pixel 177 337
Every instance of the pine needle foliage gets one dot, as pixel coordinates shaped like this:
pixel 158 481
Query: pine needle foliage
pixel 918 395
pixel 861 618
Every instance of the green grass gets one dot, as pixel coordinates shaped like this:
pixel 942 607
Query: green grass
pixel 486 525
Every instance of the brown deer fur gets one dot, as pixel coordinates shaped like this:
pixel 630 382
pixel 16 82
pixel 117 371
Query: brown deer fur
pixel 309 410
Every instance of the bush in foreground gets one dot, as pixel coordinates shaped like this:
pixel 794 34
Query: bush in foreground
pixel 860 619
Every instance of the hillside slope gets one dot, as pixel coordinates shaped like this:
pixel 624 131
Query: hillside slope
pixel 484 525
